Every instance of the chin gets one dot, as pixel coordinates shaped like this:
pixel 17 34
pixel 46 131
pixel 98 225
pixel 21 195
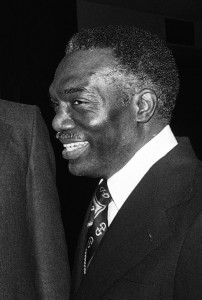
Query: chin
pixel 84 170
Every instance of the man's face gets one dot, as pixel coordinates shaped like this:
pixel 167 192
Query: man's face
pixel 98 132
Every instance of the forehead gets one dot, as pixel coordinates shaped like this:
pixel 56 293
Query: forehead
pixel 83 64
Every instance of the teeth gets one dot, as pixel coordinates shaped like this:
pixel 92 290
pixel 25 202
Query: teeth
pixel 73 146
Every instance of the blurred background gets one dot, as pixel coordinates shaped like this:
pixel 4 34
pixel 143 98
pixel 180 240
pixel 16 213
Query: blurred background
pixel 33 36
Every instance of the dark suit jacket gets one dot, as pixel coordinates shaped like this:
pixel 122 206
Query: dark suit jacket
pixel 33 257
pixel 153 248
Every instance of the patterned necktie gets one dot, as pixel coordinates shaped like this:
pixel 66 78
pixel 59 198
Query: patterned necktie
pixel 97 223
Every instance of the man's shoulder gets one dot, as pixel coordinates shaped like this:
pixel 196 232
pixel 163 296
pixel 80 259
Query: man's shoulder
pixel 15 113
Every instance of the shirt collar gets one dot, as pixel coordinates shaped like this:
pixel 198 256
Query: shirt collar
pixel 125 180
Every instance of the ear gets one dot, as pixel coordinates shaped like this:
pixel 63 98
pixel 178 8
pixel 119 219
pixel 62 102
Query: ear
pixel 146 102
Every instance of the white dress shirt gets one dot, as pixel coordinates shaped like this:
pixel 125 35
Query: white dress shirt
pixel 122 183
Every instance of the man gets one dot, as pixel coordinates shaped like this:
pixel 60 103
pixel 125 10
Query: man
pixel 33 258
pixel 114 92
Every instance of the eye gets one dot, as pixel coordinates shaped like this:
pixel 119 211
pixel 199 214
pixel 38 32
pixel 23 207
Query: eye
pixel 79 102
pixel 54 104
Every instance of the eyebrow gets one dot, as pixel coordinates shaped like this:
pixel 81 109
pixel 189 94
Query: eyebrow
pixel 72 90
pixel 68 91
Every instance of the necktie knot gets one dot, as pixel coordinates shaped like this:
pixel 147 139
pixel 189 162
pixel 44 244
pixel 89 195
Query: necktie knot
pixel 101 200
pixel 102 193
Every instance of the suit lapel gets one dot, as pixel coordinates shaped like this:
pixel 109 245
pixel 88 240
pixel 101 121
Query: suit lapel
pixel 140 226
pixel 5 134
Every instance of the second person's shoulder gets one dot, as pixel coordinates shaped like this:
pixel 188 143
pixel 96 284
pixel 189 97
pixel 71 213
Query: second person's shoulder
pixel 16 114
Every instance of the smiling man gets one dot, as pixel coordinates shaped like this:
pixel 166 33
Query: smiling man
pixel 95 127
pixel 114 93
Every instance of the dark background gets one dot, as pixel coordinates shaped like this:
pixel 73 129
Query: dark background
pixel 33 36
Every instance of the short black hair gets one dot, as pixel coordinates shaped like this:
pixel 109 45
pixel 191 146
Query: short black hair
pixel 139 53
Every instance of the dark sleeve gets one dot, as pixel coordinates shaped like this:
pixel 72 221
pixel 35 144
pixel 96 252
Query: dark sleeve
pixel 44 216
pixel 188 279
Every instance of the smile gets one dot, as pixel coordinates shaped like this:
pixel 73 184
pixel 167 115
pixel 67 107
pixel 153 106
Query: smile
pixel 74 150
pixel 73 146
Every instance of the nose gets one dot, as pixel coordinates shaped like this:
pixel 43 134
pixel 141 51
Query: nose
pixel 62 120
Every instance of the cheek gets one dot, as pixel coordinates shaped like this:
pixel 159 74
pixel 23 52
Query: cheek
pixel 89 120
pixel 108 139
pixel 105 132
pixel 96 121
pixel 121 131
pixel 110 130
pixel 92 125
